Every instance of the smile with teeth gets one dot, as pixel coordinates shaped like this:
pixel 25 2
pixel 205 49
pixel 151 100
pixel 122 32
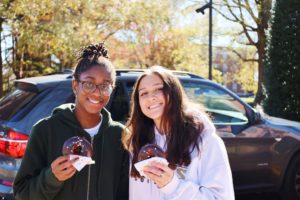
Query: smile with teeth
pixel 94 101
pixel 154 106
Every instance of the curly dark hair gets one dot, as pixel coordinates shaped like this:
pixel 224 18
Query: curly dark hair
pixel 179 123
pixel 91 56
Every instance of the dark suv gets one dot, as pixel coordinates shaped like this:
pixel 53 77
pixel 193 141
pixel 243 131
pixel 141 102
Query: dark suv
pixel 264 152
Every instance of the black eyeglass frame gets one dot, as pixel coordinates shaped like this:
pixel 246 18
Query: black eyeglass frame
pixel 105 89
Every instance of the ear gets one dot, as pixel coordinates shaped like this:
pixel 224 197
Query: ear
pixel 75 86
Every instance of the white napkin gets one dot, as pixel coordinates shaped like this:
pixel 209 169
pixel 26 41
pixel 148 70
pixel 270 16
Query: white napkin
pixel 81 162
pixel 140 165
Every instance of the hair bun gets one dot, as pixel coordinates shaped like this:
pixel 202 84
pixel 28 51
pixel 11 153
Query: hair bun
pixel 93 51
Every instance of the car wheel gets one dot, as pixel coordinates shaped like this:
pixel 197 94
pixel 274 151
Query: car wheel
pixel 291 187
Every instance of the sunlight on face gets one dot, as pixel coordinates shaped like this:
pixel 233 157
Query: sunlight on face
pixel 92 102
pixel 151 97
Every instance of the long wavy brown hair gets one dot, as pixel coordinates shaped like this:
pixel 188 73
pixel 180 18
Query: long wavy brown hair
pixel 178 122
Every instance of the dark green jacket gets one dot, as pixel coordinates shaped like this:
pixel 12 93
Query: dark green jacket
pixel 108 178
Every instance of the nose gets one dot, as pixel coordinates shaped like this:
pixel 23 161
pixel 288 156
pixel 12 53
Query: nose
pixel 97 91
pixel 153 95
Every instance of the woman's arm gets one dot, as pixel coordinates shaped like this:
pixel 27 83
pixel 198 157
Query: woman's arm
pixel 209 169
pixel 214 176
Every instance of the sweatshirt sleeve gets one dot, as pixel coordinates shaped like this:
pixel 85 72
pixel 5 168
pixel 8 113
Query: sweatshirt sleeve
pixel 213 172
pixel 35 180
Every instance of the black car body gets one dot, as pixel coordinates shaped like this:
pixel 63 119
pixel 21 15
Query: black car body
pixel 264 152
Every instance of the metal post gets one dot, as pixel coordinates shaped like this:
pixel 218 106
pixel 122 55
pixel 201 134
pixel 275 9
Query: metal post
pixel 201 10
pixel 210 42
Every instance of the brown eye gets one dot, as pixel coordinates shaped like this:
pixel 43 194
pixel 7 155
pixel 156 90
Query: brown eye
pixel 106 89
pixel 89 85
pixel 142 94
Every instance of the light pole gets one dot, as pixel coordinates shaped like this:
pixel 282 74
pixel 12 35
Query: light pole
pixel 201 10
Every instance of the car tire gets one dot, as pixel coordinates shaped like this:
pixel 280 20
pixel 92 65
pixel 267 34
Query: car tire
pixel 291 185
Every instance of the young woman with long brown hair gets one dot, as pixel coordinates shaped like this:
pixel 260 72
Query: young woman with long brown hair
pixel 198 163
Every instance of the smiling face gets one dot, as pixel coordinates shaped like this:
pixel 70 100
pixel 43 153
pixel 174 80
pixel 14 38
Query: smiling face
pixel 91 103
pixel 151 97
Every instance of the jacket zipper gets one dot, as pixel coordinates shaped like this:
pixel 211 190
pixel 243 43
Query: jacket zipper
pixel 89 176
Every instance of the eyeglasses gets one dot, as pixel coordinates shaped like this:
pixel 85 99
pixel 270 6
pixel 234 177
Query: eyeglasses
pixel 90 87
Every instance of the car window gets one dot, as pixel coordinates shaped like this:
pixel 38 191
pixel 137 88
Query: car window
pixel 119 107
pixel 223 107
pixel 13 102
pixel 49 99
pixel 129 87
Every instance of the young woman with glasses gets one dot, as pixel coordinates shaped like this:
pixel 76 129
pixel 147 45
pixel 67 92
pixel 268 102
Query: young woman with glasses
pixel 161 114
pixel 47 174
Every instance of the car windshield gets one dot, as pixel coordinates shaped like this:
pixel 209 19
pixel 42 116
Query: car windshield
pixel 13 102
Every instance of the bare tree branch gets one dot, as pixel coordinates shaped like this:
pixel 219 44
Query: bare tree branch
pixel 109 35
pixel 241 22
pixel 243 58
pixel 236 18
pixel 248 8
pixel 231 12
pixel 226 17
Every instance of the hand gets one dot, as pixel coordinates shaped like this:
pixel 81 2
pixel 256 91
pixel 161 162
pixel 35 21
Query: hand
pixel 62 168
pixel 160 173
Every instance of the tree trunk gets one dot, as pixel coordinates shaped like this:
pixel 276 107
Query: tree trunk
pixel 261 46
pixel 16 59
pixel 1 63
pixel 264 15
pixel 260 94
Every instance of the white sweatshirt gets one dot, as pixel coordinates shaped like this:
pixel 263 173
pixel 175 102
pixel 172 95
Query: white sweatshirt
pixel 208 177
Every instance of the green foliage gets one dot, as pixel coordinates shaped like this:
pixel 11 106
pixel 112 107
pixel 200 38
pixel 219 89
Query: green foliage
pixel 217 76
pixel 283 62
pixel 247 71
pixel 44 28
pixel 234 69
pixel 138 34
pixel 152 38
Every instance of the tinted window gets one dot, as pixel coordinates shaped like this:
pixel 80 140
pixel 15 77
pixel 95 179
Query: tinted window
pixel 41 107
pixel 129 87
pixel 224 108
pixel 13 102
pixel 119 107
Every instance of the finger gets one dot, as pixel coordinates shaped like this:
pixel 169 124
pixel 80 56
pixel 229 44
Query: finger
pixel 62 167
pixel 160 165
pixel 69 172
pixel 152 169
pixel 55 166
pixel 65 173
pixel 163 167
pixel 72 173
pixel 159 180
pixel 68 169
pixel 152 176
pixel 163 174
pixel 62 159
pixel 65 165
